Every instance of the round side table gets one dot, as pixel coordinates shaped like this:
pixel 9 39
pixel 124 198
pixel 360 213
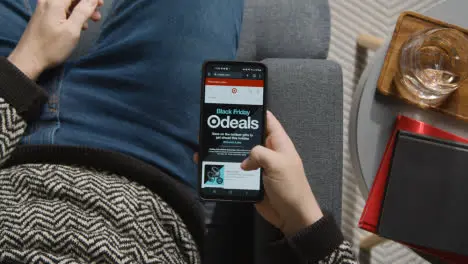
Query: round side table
pixel 373 115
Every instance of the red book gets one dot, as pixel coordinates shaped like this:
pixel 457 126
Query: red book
pixel 372 210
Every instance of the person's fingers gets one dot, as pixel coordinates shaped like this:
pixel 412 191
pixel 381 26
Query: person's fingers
pixel 260 157
pixel 85 26
pixel 273 125
pixel 269 143
pixel 64 3
pixel 69 5
pixel 250 164
pixel 277 136
pixel 58 8
pixel 82 12
pixel 96 16
pixel 195 157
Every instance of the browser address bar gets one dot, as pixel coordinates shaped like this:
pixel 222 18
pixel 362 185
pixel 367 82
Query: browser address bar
pixel 235 75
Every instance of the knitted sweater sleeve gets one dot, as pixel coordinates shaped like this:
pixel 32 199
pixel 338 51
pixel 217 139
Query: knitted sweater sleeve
pixel 20 101
pixel 321 243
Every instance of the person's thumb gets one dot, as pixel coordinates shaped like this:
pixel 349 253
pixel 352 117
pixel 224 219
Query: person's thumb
pixel 260 157
pixel 82 12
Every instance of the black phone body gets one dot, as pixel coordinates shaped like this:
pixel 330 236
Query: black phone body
pixel 232 122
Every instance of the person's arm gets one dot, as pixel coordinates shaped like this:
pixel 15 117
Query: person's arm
pixel 321 242
pixel 310 236
pixel 49 39
pixel 20 100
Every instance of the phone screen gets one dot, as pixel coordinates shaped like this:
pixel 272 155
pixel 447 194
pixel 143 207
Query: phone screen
pixel 232 123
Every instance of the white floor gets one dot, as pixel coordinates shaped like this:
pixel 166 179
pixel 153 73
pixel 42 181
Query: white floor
pixel 349 19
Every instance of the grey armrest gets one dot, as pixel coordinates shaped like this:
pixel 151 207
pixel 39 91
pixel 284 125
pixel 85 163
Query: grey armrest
pixel 285 29
pixel 307 97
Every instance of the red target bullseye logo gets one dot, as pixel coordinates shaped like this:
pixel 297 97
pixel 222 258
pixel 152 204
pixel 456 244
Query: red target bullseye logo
pixel 234 90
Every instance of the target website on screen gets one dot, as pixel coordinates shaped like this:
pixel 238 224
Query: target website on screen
pixel 232 124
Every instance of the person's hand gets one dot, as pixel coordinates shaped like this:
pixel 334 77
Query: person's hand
pixel 52 34
pixel 289 203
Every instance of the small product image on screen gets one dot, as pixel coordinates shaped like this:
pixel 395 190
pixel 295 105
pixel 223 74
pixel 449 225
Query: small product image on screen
pixel 232 123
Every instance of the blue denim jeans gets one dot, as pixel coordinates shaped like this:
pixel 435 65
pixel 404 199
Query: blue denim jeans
pixel 137 91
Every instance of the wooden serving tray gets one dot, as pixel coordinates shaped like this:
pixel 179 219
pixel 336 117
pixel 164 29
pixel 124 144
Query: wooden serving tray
pixel 409 23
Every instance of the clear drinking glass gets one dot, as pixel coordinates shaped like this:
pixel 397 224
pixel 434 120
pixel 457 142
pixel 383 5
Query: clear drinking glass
pixel 433 63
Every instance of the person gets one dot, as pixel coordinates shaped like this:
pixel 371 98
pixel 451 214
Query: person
pixel 96 153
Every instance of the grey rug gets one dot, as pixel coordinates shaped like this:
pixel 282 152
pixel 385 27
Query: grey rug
pixel 349 19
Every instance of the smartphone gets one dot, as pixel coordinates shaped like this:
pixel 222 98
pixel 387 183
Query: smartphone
pixel 232 122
